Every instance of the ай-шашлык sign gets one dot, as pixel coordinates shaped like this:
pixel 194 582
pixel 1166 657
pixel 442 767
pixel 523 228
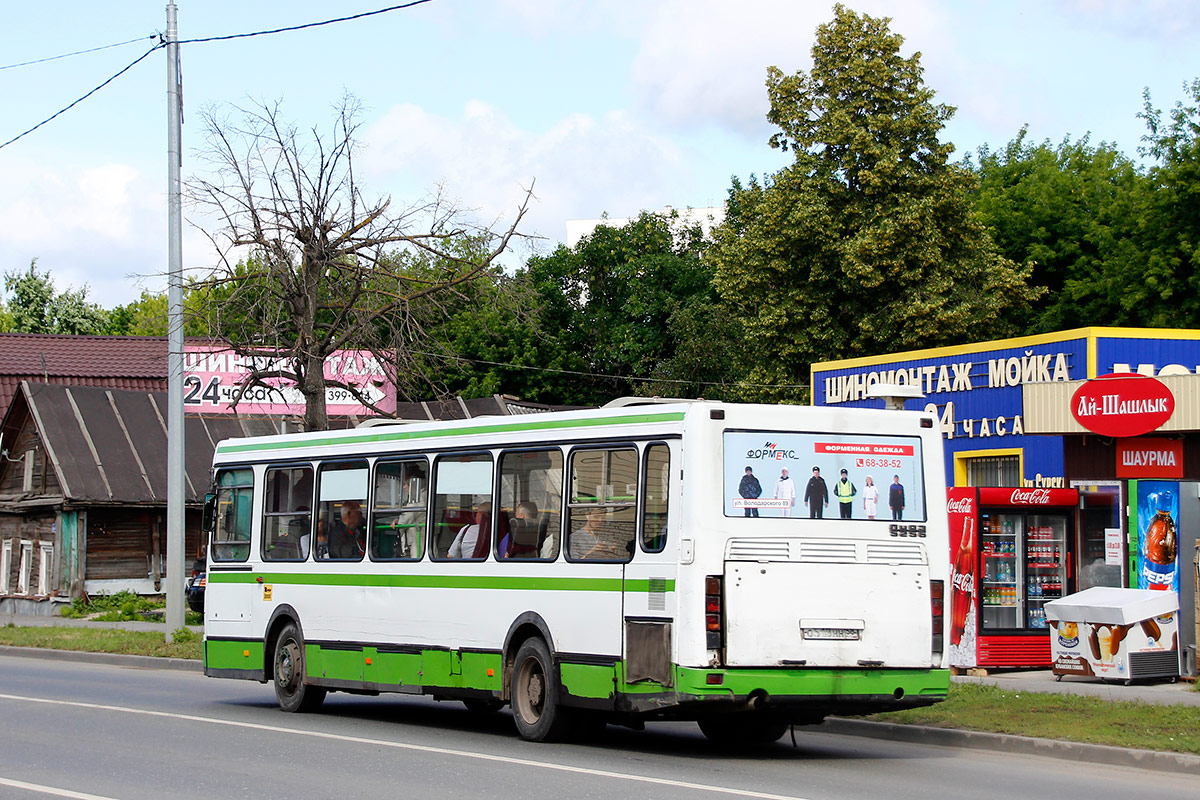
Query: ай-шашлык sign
pixel 1122 404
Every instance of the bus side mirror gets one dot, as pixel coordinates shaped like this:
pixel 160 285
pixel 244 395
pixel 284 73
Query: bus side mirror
pixel 210 513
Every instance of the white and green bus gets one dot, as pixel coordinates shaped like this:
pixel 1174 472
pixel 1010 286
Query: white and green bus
pixel 609 565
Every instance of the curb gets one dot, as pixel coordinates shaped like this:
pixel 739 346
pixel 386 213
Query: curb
pixel 111 659
pixel 1027 745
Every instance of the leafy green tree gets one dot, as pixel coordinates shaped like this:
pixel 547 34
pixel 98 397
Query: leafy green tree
pixel 1073 215
pixel 1166 292
pixel 36 307
pixel 709 358
pixel 867 243
pixel 146 316
pixel 608 303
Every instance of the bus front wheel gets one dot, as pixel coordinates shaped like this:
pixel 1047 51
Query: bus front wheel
pixel 535 694
pixel 290 689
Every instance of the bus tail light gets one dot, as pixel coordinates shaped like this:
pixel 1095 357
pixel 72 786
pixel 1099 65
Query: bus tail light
pixel 937 609
pixel 714 617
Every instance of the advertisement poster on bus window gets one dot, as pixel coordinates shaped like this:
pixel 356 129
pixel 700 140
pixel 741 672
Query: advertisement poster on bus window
pixel 1158 537
pixel 823 476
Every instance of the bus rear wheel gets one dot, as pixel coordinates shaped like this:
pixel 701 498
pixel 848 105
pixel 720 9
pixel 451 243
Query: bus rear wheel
pixel 734 729
pixel 291 691
pixel 535 694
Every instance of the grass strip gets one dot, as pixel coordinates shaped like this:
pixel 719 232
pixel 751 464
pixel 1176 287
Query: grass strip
pixel 103 640
pixel 1066 717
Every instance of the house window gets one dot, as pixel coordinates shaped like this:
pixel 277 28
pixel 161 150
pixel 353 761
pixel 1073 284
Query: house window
pixel 994 471
pixel 6 566
pixel 45 569
pixel 26 568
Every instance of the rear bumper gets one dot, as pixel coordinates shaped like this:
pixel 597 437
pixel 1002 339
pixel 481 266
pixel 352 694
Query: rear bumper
pixel 799 694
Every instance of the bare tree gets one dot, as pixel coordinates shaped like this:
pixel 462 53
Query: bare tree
pixel 308 266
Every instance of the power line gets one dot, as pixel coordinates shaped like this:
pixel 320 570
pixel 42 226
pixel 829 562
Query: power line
pixel 613 377
pixel 307 24
pixel 78 52
pixel 192 41
pixel 85 97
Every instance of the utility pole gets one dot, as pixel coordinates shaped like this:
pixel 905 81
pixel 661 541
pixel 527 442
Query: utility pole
pixel 175 476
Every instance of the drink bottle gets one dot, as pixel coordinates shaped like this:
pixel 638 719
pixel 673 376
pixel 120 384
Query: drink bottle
pixel 962 582
pixel 1160 545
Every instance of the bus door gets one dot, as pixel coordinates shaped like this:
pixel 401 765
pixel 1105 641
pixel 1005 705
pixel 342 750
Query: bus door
pixel 648 582
pixel 229 518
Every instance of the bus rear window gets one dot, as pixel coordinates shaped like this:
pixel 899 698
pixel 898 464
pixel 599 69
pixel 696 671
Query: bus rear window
pixel 823 476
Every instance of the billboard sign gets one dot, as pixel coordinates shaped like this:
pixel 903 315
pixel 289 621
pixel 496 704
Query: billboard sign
pixel 213 376
pixel 1149 458
pixel 1122 405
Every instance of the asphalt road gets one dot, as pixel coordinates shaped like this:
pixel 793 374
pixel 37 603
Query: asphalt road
pixel 89 731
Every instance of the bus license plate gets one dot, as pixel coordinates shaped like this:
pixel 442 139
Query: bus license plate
pixel 847 634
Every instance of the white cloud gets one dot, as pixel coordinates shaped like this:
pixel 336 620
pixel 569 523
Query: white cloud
pixel 95 227
pixel 582 165
pixel 705 61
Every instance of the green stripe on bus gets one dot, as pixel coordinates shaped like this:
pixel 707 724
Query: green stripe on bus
pixel 511 583
pixel 401 435
pixel 433 669
pixel 225 654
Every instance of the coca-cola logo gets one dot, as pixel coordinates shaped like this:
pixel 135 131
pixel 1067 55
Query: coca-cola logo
pixel 1122 404
pixel 963 582
pixel 961 505
pixel 1033 497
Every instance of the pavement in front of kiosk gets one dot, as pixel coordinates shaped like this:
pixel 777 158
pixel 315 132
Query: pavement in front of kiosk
pixel 1160 691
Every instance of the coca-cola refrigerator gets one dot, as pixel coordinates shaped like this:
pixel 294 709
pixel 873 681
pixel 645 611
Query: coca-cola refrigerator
pixel 1011 553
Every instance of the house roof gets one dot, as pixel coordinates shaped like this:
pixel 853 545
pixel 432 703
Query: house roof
pixel 120 362
pixel 83 356
pixel 110 445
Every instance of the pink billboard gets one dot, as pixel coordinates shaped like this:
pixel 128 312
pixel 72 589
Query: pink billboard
pixel 213 376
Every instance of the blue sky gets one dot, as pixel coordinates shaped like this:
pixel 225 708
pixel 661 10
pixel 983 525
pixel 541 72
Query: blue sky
pixel 612 106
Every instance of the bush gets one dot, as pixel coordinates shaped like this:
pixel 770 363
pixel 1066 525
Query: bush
pixel 121 606
pixel 182 635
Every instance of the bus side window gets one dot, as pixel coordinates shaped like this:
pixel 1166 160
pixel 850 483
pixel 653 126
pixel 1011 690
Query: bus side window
pixel 655 498
pixel 462 507
pixel 399 506
pixel 234 515
pixel 341 510
pixel 287 514
pixel 529 519
pixel 602 504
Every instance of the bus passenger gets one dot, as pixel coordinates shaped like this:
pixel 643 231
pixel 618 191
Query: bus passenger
pixel 584 540
pixel 522 538
pixel 473 538
pixel 347 536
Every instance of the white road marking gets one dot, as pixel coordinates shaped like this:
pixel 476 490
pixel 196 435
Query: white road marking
pixel 52 790
pixel 421 748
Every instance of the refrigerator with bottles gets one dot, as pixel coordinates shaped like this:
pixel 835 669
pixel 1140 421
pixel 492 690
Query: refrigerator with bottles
pixel 1011 550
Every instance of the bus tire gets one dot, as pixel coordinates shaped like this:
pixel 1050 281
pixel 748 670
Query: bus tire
pixel 293 694
pixel 735 729
pixel 535 694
